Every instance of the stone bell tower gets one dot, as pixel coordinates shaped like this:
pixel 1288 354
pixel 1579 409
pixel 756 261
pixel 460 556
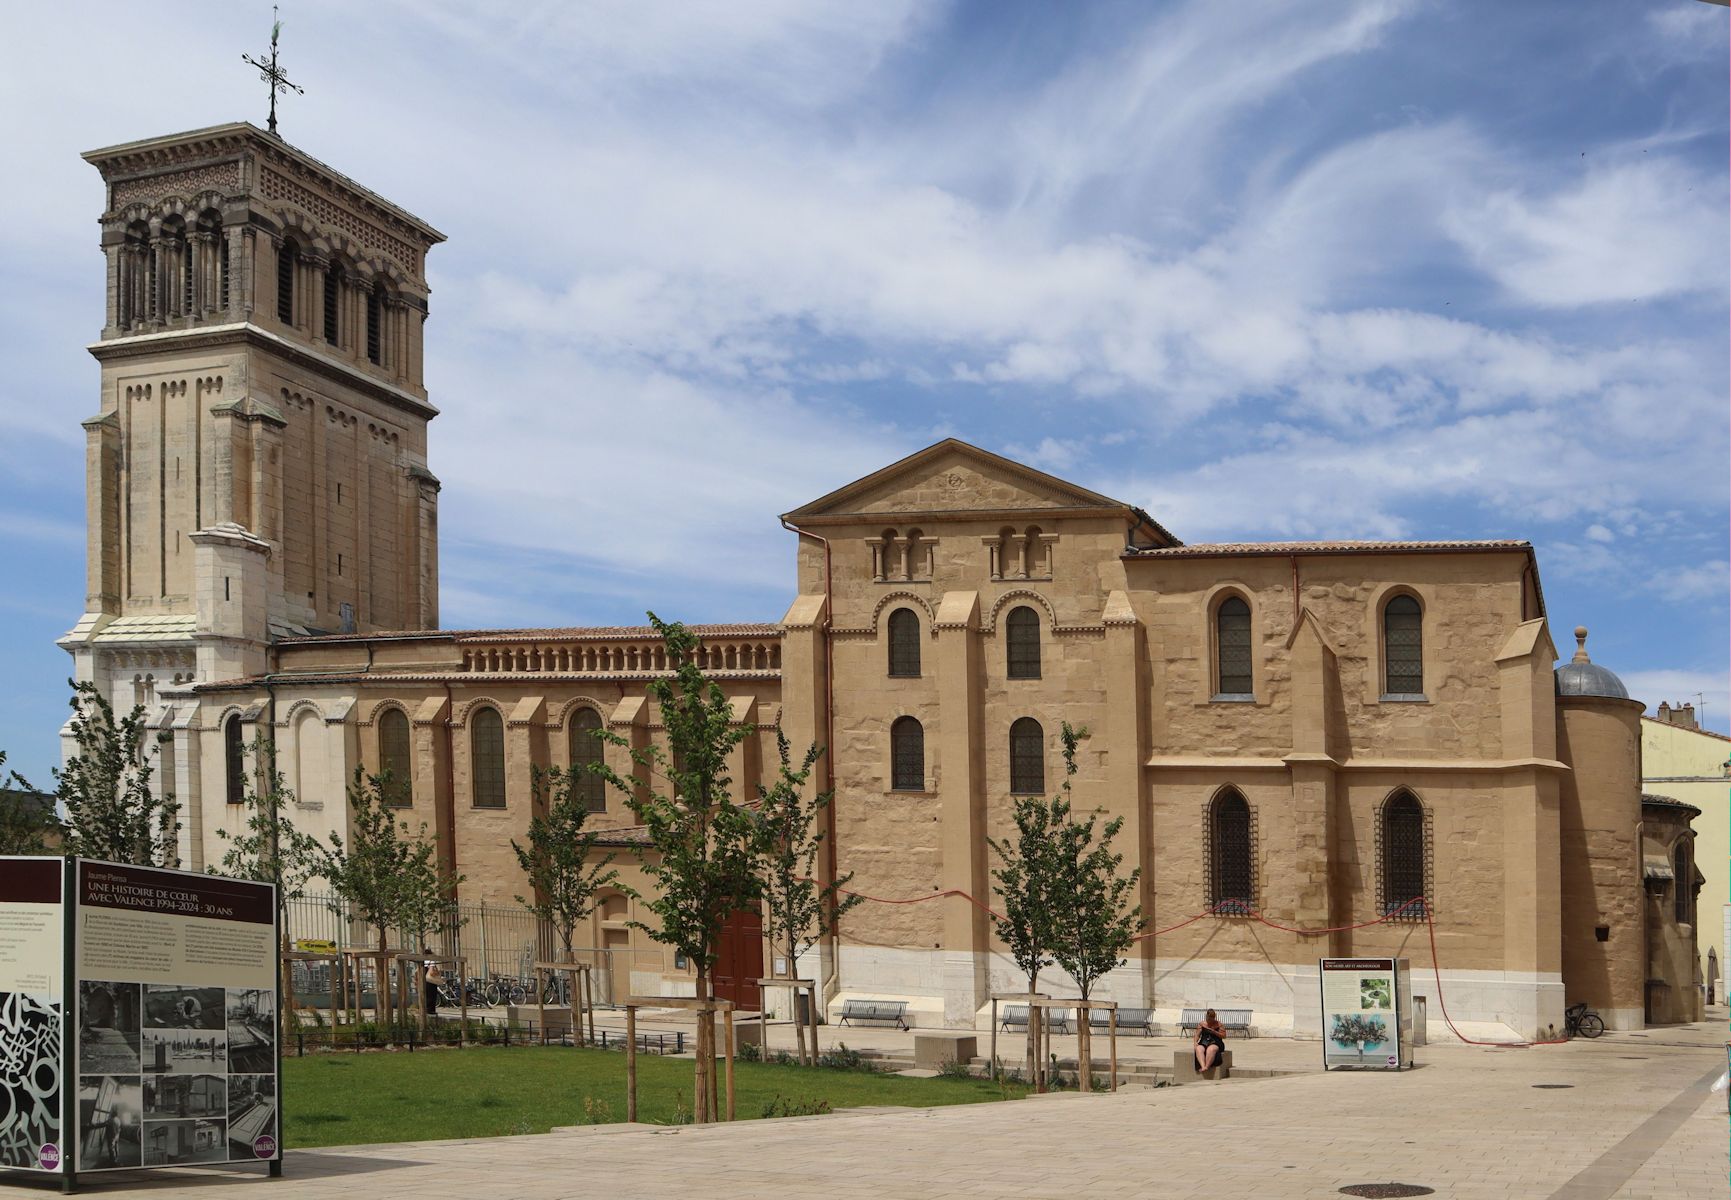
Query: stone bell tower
pixel 257 466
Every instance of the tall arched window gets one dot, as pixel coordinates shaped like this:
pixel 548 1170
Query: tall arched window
pixel 907 755
pixel 396 757
pixel 375 302
pixel 1022 643
pixel 1403 647
pixel 487 757
pixel 333 291
pixel 1232 648
pixel 586 751
pixel 1231 870
pixel 1404 874
pixel 234 759
pixel 1685 877
pixel 904 628
pixel 1027 757
pixel 286 258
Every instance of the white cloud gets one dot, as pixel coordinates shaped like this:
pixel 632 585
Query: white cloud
pixel 1599 533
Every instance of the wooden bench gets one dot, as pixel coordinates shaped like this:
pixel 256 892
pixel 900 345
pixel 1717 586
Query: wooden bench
pixel 1128 1019
pixel 887 1011
pixel 1233 1020
pixel 1016 1017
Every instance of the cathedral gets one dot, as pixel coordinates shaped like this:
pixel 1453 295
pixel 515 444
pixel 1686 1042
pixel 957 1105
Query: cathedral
pixel 1325 748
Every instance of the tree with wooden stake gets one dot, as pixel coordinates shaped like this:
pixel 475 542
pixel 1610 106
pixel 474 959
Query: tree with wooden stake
pixel 112 812
pixel 700 849
pixel 789 838
pixel 1023 884
pixel 557 861
pixel 269 849
pixel 1093 922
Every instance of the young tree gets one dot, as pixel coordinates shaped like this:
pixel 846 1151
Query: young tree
pixel 1023 886
pixel 27 821
pixel 1094 921
pixel 700 851
pixel 104 789
pixel 386 873
pixel 269 849
pixel 556 861
pixel 801 910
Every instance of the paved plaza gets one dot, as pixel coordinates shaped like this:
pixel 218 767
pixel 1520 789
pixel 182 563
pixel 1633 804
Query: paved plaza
pixel 1633 1118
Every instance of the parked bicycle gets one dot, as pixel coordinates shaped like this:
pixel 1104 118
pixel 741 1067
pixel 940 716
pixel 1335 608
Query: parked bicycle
pixel 502 990
pixel 1583 1021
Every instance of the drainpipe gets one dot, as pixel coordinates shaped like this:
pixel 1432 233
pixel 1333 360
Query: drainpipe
pixel 1294 560
pixel 832 967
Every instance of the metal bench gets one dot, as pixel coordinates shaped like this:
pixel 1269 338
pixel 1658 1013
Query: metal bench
pixel 1235 1020
pixel 1128 1019
pixel 887 1011
pixel 1016 1017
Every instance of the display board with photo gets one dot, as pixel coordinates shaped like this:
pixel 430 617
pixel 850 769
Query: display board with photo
pixel 33 1007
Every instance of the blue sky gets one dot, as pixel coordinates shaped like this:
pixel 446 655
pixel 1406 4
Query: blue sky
pixel 1271 270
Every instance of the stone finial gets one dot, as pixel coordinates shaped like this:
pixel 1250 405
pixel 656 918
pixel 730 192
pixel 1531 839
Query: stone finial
pixel 1581 645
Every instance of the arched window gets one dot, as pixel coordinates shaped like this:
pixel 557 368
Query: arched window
pixel 286 258
pixel 333 290
pixel 375 302
pixel 396 758
pixel 234 759
pixel 1022 643
pixel 586 751
pixel 904 643
pixel 1027 757
pixel 1232 648
pixel 1231 870
pixel 1404 874
pixel 487 757
pixel 1685 893
pixel 907 755
pixel 1403 647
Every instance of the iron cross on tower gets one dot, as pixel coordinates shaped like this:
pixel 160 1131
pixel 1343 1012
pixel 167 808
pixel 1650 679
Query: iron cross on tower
pixel 270 72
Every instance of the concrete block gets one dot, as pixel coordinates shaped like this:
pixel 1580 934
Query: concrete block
pixel 934 1047
pixel 1184 1067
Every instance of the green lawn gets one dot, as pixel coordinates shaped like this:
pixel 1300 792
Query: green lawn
pixel 346 1099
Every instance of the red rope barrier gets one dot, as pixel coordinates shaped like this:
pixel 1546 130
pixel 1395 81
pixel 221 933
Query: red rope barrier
pixel 1230 910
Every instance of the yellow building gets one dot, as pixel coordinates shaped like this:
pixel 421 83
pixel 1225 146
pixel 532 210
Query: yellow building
pixel 1681 760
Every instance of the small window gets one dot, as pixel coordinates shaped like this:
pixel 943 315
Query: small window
pixel 587 751
pixel 904 630
pixel 396 758
pixel 285 283
pixel 1232 637
pixel 1680 867
pixel 1027 757
pixel 1403 857
pixel 1022 643
pixel 1230 858
pixel 1403 647
pixel 234 759
pixel 907 755
pixel 487 757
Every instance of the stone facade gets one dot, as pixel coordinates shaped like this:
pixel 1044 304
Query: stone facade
pixel 1389 723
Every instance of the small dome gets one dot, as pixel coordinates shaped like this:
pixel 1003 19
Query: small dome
pixel 1581 676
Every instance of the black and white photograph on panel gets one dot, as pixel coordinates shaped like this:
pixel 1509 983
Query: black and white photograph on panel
pixel 185 1051
pixel 251 1111
pixel 108 1027
pixel 110 1111
pixel 176 1143
pixel 251 1030
pixel 167 1097
pixel 169 1007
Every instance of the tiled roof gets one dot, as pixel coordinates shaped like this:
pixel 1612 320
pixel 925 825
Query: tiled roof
pixel 1650 799
pixel 632 835
pixel 471 679
pixel 153 627
pixel 1226 549
pixel 590 632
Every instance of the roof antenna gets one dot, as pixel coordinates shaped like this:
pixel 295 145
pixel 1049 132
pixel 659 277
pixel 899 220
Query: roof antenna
pixel 270 72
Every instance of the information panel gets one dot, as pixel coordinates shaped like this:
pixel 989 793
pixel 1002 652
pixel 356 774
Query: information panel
pixel 32 1004
pixel 1366 1013
pixel 176 977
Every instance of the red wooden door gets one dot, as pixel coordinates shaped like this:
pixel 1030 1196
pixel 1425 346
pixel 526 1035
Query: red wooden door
pixel 740 963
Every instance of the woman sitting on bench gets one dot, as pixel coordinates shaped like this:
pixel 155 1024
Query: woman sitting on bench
pixel 1210 1042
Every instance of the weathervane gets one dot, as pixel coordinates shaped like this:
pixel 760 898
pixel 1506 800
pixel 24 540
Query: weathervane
pixel 270 72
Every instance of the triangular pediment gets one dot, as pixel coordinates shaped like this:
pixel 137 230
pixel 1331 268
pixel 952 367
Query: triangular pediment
pixel 954 477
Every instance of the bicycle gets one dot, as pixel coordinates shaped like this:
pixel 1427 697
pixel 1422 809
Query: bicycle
pixel 502 990
pixel 1583 1021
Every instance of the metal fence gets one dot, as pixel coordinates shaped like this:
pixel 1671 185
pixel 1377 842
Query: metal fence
pixel 494 939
